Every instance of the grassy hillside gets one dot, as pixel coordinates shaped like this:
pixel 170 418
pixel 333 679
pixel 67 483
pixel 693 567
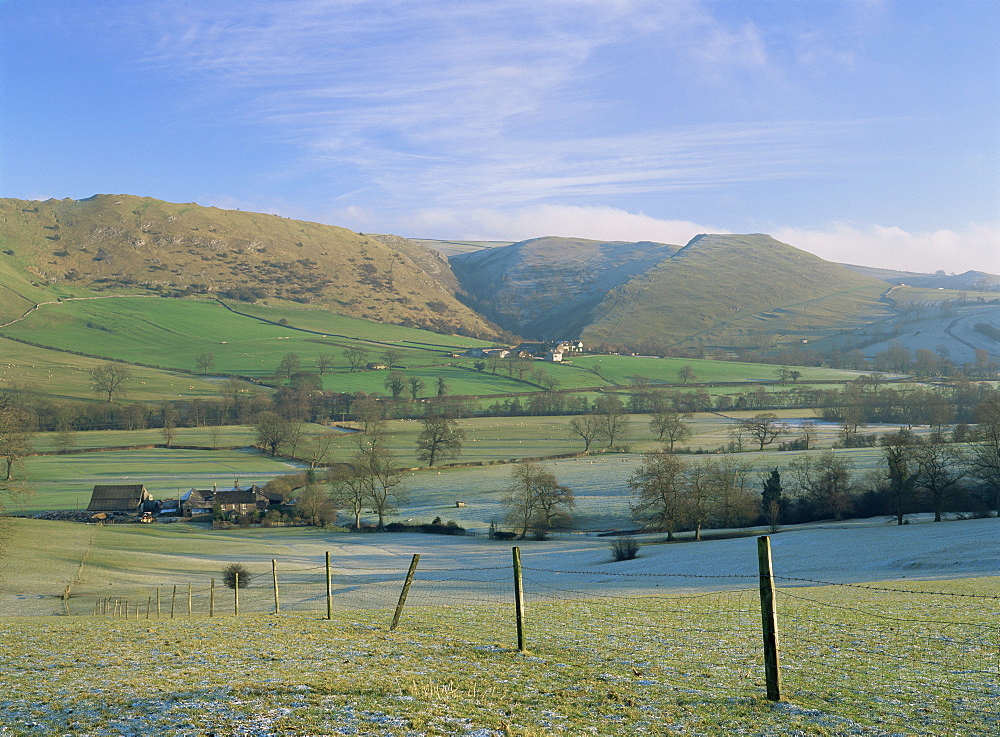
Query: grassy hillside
pixel 666 643
pixel 546 288
pixel 732 290
pixel 120 243
pixel 252 341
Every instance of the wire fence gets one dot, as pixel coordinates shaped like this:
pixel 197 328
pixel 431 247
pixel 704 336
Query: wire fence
pixel 922 660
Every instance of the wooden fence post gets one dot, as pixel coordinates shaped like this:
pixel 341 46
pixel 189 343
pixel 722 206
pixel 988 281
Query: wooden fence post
pixel 769 617
pixel 149 605
pixel 157 602
pixel 519 601
pixel 274 576
pixel 190 611
pixel 329 589
pixel 405 591
pixel 236 593
pixel 173 601
pixel 211 599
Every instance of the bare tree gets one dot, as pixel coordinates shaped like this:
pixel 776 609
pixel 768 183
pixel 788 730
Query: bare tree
pixel 205 362
pixel 349 488
pixel 826 481
pixel 273 431
pixel 315 504
pixel 588 427
pixel 613 421
pixel 668 422
pixel 318 447
pixel 168 427
pixel 289 364
pixel 764 427
pixel 535 499
pixel 941 466
pixel 15 438
pixel 736 503
pixel 985 452
pixel 901 470
pixel 356 357
pixel 370 412
pixel 382 479
pixel 440 438
pixel 323 362
pixel 658 492
pixel 686 374
pixel 807 434
pixel 391 357
pixel 110 379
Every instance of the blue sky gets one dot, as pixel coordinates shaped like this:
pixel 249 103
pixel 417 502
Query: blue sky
pixel 865 131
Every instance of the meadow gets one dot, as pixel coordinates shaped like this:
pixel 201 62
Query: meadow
pixel 64 481
pixel 667 643
pixel 173 333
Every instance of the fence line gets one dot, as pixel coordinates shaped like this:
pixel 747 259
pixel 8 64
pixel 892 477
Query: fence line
pixel 869 654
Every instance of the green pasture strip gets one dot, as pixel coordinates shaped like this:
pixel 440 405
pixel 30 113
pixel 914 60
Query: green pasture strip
pixel 621 370
pixel 225 436
pixel 330 323
pixel 64 375
pixel 175 332
pixel 66 481
pixel 660 664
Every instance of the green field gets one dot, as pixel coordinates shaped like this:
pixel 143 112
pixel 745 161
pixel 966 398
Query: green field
pixel 599 481
pixel 676 654
pixel 172 333
pixel 67 376
pixel 66 481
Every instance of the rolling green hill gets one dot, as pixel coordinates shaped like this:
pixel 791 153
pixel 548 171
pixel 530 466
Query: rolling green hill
pixel 733 290
pixel 121 243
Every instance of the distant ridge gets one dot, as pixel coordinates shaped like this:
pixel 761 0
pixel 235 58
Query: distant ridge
pixel 123 243
pixel 546 288
pixel 726 289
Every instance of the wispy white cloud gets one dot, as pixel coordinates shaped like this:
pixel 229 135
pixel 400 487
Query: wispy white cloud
pixel 599 223
pixel 976 247
pixel 447 101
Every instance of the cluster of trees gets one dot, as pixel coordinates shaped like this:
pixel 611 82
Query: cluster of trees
pixel 914 474
pixel 535 501
pixel 670 495
pixel 371 477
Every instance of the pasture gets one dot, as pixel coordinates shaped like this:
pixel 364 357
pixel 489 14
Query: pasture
pixel 665 643
pixel 599 480
pixel 66 376
pixel 173 333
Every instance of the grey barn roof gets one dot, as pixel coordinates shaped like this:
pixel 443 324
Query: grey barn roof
pixel 117 498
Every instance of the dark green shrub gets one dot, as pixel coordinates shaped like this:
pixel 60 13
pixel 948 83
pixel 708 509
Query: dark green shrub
pixel 229 575
pixel 625 547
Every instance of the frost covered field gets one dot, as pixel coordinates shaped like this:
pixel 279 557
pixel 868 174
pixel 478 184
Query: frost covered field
pixel 667 643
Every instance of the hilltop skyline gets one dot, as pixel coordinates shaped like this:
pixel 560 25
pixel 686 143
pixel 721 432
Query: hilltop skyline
pixel 863 132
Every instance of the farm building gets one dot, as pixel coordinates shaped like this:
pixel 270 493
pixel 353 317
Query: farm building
pixel 197 501
pixel 241 501
pixel 127 498
pixel 238 499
